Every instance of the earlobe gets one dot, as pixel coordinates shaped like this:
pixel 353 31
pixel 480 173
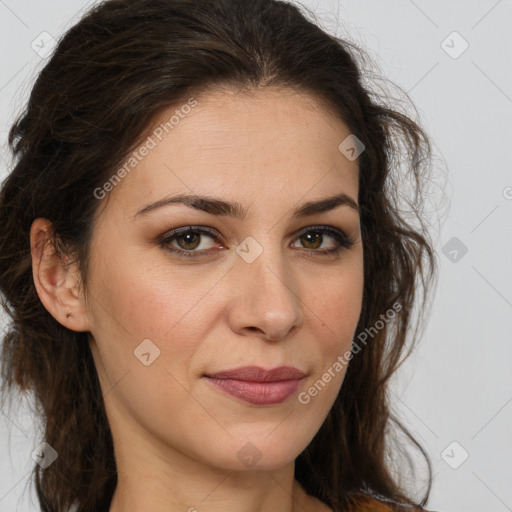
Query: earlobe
pixel 56 280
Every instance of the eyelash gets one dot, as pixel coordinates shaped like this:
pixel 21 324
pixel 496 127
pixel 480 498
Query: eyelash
pixel 344 241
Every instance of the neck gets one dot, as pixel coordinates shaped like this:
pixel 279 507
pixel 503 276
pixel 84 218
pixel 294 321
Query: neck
pixel 165 490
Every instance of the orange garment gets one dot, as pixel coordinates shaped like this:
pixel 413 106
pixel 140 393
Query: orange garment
pixel 370 504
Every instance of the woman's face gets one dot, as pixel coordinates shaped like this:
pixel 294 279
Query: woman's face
pixel 170 315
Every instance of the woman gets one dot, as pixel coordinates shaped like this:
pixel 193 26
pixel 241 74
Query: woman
pixel 209 282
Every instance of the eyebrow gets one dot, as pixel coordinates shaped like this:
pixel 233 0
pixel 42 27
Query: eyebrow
pixel 234 209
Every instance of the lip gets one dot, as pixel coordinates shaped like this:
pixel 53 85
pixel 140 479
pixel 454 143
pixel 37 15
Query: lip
pixel 257 385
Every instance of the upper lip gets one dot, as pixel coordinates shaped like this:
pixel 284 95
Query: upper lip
pixel 258 374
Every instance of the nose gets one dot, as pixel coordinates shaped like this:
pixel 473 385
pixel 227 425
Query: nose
pixel 265 300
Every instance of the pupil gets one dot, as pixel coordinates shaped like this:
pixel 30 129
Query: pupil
pixel 188 238
pixel 310 238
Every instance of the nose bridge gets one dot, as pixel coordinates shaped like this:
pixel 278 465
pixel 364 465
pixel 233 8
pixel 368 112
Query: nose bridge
pixel 263 258
pixel 269 291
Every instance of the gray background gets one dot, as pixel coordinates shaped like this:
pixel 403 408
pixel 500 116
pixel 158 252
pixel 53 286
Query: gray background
pixel 457 387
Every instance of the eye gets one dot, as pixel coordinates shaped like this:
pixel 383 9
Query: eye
pixel 186 241
pixel 313 238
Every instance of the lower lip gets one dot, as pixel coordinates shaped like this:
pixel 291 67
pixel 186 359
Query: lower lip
pixel 258 393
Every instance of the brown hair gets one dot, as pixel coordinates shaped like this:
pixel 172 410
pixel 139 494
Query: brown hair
pixel 110 74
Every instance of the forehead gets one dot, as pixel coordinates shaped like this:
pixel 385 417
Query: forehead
pixel 264 144
pixel 249 122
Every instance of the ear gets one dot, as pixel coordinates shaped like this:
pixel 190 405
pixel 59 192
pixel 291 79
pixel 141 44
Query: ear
pixel 57 281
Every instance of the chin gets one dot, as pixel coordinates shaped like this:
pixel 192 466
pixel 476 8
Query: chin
pixel 261 451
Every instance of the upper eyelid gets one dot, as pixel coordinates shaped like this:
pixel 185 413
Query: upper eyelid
pixel 214 233
pixel 207 230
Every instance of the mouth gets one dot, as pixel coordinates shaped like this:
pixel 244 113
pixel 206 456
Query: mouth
pixel 258 386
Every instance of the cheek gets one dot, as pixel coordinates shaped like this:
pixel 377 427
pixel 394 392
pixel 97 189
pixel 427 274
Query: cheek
pixel 133 306
pixel 335 311
pixel 175 312
pixel 144 303
pixel 337 302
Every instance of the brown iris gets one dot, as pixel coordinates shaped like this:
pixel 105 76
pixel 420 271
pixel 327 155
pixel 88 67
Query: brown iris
pixel 189 236
pixel 318 236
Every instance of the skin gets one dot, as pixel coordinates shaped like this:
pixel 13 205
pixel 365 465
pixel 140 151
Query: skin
pixel 176 437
